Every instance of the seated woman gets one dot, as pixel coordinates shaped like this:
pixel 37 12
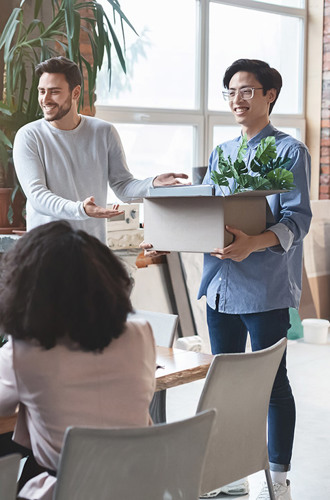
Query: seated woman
pixel 71 357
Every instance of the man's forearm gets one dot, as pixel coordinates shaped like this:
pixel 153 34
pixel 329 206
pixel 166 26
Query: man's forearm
pixel 264 240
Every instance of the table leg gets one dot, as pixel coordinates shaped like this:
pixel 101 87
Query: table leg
pixel 158 407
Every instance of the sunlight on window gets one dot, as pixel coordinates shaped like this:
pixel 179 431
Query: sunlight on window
pixel 274 38
pixel 156 149
pixel 161 62
pixel 286 3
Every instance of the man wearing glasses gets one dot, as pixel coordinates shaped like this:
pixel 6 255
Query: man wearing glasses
pixel 250 284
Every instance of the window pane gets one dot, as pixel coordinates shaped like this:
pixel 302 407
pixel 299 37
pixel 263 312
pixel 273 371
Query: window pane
pixel 161 62
pixel 276 39
pixel 224 133
pixel 286 3
pixel 156 149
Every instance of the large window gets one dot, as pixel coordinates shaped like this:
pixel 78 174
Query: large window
pixel 168 108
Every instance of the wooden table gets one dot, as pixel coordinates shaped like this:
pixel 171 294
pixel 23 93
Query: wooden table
pixel 176 367
pixel 180 367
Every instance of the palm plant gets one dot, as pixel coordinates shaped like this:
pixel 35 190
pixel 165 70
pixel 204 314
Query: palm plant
pixel 27 44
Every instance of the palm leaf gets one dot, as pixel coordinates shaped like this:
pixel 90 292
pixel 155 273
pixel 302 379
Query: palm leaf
pixel 37 7
pixel 116 44
pixel 4 139
pixel 9 29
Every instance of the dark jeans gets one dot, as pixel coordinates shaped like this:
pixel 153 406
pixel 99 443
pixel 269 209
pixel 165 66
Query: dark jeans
pixel 228 334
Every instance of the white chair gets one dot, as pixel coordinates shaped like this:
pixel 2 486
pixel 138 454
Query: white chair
pixel 164 325
pixel 238 386
pixel 164 328
pixel 9 466
pixel 161 462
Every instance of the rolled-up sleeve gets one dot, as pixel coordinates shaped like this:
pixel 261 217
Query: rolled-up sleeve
pixel 292 209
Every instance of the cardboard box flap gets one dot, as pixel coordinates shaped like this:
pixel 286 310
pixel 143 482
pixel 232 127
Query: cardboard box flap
pixel 175 191
pixel 202 190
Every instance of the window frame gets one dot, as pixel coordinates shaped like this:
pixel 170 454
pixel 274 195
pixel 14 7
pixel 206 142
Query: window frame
pixel 203 119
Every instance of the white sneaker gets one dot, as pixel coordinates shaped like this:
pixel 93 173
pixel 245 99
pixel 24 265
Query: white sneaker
pixel 236 488
pixel 281 492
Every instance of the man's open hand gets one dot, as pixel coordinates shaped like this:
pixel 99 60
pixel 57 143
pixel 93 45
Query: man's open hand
pixel 170 179
pixel 93 210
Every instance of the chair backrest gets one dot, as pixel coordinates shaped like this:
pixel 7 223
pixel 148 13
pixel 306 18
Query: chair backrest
pixel 9 466
pixel 238 386
pixel 164 325
pixel 162 462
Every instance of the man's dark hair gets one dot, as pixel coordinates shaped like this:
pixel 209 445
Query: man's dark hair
pixel 268 77
pixel 59 284
pixel 61 65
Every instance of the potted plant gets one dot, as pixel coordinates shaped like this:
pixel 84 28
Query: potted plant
pixel 25 44
pixel 270 171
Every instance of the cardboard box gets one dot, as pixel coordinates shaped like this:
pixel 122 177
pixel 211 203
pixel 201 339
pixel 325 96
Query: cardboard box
pixel 193 219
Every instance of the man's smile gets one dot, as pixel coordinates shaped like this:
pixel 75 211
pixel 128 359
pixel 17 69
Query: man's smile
pixel 49 107
pixel 240 109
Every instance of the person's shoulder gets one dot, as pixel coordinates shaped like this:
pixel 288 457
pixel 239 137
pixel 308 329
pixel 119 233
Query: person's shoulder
pixel 97 123
pixel 30 127
pixel 141 331
pixel 286 142
pixel 139 327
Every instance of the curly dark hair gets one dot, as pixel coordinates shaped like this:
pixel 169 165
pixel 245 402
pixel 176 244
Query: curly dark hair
pixel 268 77
pixel 63 65
pixel 60 283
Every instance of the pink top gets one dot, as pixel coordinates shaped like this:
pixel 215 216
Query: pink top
pixel 63 387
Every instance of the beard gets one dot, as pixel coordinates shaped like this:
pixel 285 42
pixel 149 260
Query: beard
pixel 61 111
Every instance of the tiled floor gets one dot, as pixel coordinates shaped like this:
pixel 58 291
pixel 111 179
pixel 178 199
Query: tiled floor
pixel 309 373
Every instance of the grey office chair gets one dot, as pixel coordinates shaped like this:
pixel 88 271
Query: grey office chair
pixel 163 325
pixel 9 466
pixel 162 462
pixel 239 387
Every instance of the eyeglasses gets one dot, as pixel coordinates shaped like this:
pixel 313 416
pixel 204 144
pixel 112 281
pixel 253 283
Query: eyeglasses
pixel 245 93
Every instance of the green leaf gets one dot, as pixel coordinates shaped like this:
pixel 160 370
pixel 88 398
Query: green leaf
pixel 35 23
pixel 22 88
pixel 76 36
pixel 219 179
pixel 240 167
pixel 271 171
pixel 115 5
pixel 90 75
pixel 266 149
pixel 3 155
pixel 5 109
pixel 281 179
pixel 69 16
pixel 10 27
pixel 242 149
pixel 101 34
pixel 37 7
pixel 258 183
pixel 117 45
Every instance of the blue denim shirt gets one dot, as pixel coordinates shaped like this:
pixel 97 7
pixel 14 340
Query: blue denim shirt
pixel 270 279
